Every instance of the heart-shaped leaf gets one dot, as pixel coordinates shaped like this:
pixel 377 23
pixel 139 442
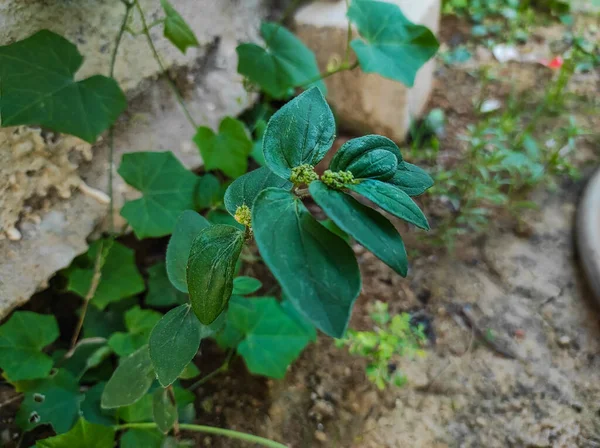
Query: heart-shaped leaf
pixel 38 88
pixel 161 292
pixel 139 324
pixel 211 268
pixel 316 268
pixel 82 435
pixel 209 192
pixel 301 132
pixel 176 29
pixel 411 179
pixel 392 46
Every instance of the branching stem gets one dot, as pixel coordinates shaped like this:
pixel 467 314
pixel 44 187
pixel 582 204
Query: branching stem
pixel 222 368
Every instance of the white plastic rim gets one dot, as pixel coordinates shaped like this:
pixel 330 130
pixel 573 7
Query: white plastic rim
pixel 588 233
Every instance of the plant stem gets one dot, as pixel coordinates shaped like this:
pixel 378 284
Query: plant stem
pixel 343 67
pixel 209 430
pixel 172 85
pixel 222 368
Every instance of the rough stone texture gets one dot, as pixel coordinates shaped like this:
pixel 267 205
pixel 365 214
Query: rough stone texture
pixel 367 103
pixel 42 207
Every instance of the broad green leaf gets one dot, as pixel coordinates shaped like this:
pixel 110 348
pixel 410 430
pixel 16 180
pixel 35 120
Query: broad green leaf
pixel 301 132
pixel 391 199
pixel 242 286
pixel 220 216
pixel 87 354
pixel 371 156
pixel 309 329
pixel 208 192
pixel 211 268
pixel 119 275
pixel 174 342
pixel 272 339
pixel 188 226
pixel 285 62
pixel 38 88
pixel 91 409
pixel 364 224
pixel 142 438
pixel 228 150
pixel 139 324
pixel 316 268
pixel 411 179
pixel 243 190
pixel 22 339
pixel 167 188
pixel 161 292
pixel 83 435
pixel 54 400
pixel 142 410
pixel 176 29
pixel 164 410
pixel 391 45
pixel 131 380
pixel 333 228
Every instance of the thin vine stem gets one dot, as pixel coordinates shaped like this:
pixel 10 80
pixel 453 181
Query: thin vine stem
pixel 222 368
pixel 172 85
pixel 209 430
pixel 343 67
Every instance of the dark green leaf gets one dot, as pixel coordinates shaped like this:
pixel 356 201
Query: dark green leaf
pixel 284 63
pixel 393 200
pixel 188 226
pixel 243 191
pixel 211 268
pixel 88 353
pixel 190 371
pixel 161 292
pixel 364 224
pixel 54 400
pixel 38 88
pixel 142 438
pixel 411 179
pixel 393 46
pixel 174 342
pixel 22 339
pixel 164 410
pixel 91 410
pixel 242 286
pixel 102 324
pixel 176 30
pixel 131 380
pixel 301 132
pixel 220 216
pixel 139 325
pixel 316 268
pixel 83 435
pixel 167 188
pixel 228 150
pixel 309 329
pixel 208 192
pixel 333 228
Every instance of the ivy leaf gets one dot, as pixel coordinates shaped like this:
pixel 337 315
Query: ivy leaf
pixel 188 226
pixel 392 46
pixel 176 29
pixel 168 189
pixel 309 329
pixel 139 324
pixel 284 63
pixel 208 192
pixel 391 199
pixel 161 292
pixel 242 286
pixel 22 339
pixel 119 275
pixel 90 407
pixel 54 400
pixel 82 435
pixel 411 179
pixel 38 88
pixel 364 224
pixel 164 411
pixel 228 150
pixel 174 342
pixel 316 269
pixel 130 382
pixel 211 268
pixel 301 132
pixel 243 190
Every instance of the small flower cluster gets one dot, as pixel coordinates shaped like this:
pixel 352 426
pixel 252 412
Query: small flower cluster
pixel 338 179
pixel 303 174
pixel 243 215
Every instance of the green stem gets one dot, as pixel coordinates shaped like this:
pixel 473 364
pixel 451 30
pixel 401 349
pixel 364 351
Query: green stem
pixel 222 368
pixel 343 67
pixel 172 85
pixel 208 430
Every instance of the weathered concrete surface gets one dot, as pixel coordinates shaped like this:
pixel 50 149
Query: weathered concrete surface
pixel 367 103
pixel 45 216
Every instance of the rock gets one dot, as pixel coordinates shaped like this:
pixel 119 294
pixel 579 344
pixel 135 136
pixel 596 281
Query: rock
pixel 366 103
pixel 564 341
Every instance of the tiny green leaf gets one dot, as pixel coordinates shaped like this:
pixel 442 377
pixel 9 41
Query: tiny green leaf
pixel 38 88
pixel 299 133
pixel 411 179
pixel 161 293
pixel 131 380
pixel 82 435
pixel 393 200
pixel 242 286
pixel 243 190
pixel 316 268
pixel 188 226
pixel 284 63
pixel 393 46
pixel 364 224
pixel 176 29
pixel 209 192
pixel 167 187
pixel 210 270
pixel 164 410
pixel 22 339
pixel 228 150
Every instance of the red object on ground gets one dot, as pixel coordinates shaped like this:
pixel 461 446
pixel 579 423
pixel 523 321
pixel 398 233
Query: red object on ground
pixel 555 63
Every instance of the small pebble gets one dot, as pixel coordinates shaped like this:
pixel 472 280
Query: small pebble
pixel 321 436
pixel 564 341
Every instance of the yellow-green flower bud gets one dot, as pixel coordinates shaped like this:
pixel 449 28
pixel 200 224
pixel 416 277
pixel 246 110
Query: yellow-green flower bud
pixel 303 174
pixel 338 179
pixel 243 215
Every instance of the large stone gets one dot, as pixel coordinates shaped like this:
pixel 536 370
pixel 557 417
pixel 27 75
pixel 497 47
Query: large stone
pixel 367 103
